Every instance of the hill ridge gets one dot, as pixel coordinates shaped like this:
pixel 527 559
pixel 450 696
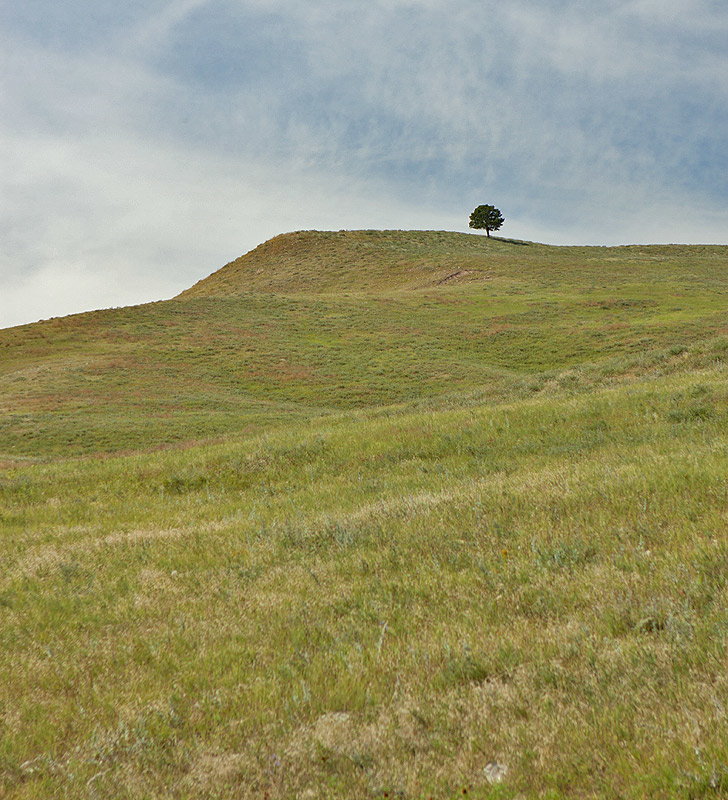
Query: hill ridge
pixel 313 261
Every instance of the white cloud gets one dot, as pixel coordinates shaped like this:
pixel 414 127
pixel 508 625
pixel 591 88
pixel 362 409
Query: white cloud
pixel 155 28
pixel 117 222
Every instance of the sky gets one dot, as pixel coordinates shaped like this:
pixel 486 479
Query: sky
pixel 145 144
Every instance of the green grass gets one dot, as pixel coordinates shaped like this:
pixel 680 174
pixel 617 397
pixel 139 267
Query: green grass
pixel 380 329
pixel 407 529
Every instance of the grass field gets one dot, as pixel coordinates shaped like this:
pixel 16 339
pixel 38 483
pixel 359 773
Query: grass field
pixel 373 514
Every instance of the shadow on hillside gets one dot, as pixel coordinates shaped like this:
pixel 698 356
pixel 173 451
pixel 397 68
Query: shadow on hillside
pixel 511 241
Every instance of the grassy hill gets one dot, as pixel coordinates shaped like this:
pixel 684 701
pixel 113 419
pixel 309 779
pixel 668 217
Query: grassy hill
pixel 314 323
pixel 368 514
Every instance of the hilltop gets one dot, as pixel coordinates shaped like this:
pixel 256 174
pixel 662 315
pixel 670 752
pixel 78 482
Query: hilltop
pixel 375 261
pixel 373 514
pixel 343 261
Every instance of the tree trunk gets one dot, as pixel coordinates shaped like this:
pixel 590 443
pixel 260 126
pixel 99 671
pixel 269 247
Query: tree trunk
pixel 487 231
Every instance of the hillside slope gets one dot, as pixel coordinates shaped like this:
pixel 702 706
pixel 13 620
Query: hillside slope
pixel 376 261
pixel 420 537
pixel 315 323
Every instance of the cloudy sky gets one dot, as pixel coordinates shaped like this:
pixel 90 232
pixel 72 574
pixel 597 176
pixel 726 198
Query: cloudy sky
pixel 144 144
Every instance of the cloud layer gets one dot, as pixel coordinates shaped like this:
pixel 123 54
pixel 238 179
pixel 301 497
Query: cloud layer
pixel 145 144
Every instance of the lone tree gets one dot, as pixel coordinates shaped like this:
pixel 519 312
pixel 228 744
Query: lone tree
pixel 488 217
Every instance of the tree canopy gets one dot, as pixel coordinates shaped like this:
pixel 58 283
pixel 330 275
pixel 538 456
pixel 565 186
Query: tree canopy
pixel 486 217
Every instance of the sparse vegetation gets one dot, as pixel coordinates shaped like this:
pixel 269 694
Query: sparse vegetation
pixel 450 525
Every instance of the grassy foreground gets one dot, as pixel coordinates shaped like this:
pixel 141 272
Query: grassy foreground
pixel 416 539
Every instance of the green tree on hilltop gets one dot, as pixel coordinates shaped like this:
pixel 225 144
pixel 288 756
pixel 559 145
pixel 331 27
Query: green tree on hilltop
pixel 488 217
